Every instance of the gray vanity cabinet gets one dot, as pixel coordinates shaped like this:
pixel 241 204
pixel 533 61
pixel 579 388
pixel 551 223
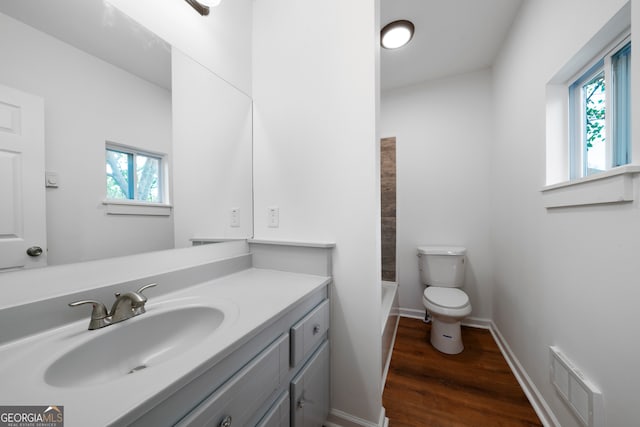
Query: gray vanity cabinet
pixel 278 378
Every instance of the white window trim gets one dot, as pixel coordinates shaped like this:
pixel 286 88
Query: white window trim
pixel 136 207
pixel 576 170
pixel 132 207
pixel 615 186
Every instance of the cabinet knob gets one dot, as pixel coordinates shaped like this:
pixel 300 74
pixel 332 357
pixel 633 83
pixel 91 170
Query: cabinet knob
pixel 226 422
pixel 301 403
pixel 316 329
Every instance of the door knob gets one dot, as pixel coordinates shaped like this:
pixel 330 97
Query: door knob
pixel 34 251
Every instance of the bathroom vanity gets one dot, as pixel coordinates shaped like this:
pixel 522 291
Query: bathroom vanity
pixel 278 377
pixel 246 348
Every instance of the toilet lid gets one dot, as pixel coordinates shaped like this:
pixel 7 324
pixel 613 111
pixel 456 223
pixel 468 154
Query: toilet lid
pixel 446 297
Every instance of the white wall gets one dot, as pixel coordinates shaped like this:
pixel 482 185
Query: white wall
pixel 212 115
pixel 566 277
pixel 212 130
pixel 87 101
pixel 315 86
pixel 220 41
pixel 443 131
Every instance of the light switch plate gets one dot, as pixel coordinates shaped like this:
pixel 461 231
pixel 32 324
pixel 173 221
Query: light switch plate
pixel 51 179
pixel 273 216
pixel 235 217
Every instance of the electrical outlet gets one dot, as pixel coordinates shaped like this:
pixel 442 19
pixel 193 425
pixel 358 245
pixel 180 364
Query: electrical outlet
pixel 235 217
pixel 273 216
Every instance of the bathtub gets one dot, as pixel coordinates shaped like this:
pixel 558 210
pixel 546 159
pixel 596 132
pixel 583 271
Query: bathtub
pixel 390 317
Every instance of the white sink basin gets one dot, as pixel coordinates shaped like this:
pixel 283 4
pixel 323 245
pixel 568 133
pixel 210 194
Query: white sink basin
pixel 136 344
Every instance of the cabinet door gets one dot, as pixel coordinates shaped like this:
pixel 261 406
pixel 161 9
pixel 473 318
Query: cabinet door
pixel 310 391
pixel 278 415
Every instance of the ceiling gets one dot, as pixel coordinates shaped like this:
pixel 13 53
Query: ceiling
pixel 451 37
pixel 98 29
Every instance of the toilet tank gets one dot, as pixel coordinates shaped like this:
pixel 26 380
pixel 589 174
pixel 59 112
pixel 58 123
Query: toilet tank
pixel 442 265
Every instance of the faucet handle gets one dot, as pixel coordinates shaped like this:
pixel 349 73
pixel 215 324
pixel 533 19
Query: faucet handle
pixel 99 310
pixel 138 306
pixel 139 291
pixel 98 314
pixel 145 287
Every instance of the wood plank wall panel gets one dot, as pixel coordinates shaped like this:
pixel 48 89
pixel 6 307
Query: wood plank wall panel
pixel 475 388
pixel 388 207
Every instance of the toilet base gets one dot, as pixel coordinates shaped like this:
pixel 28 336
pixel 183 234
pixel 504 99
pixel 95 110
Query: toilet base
pixel 446 336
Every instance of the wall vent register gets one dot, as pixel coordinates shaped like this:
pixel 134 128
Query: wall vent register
pixel 580 394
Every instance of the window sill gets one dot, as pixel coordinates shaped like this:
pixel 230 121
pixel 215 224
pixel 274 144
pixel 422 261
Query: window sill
pixel 613 186
pixel 117 207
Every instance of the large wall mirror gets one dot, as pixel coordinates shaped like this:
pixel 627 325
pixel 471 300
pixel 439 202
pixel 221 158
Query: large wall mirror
pixel 106 79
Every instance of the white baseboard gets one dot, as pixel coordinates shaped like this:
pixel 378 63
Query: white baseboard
pixel 339 418
pixel 412 313
pixel 477 322
pixel 538 403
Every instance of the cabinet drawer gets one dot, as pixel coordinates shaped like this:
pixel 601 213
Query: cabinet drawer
pixel 240 397
pixel 310 391
pixel 278 415
pixel 308 332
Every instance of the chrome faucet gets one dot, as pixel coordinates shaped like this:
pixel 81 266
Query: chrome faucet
pixel 126 306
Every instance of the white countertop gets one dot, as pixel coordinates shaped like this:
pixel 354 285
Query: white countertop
pixel 250 299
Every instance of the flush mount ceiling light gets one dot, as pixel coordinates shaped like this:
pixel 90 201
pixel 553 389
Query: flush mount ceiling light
pixel 203 6
pixel 396 34
pixel 211 3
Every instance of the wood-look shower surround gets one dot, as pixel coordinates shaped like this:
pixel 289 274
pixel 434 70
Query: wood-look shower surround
pixel 388 207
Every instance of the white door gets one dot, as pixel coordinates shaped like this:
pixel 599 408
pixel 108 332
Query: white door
pixel 22 193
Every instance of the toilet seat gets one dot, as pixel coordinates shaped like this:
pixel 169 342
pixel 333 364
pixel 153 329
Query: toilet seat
pixel 446 297
pixel 449 304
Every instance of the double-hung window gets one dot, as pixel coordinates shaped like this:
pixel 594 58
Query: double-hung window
pixel 134 175
pixel 599 113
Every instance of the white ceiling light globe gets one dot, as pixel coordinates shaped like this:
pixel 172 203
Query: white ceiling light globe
pixel 396 34
pixel 396 38
pixel 210 3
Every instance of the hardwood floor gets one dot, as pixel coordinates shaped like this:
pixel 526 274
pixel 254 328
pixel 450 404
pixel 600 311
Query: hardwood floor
pixel 475 388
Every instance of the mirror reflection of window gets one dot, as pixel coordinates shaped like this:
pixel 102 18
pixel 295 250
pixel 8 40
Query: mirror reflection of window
pixel 133 175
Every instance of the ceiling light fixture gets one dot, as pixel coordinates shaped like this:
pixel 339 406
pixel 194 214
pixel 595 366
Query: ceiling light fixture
pixel 211 3
pixel 396 34
pixel 203 6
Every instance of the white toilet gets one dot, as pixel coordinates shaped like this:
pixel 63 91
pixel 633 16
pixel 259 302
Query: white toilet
pixel 442 270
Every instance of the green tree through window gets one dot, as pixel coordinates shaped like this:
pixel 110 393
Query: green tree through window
pixel 594 93
pixel 133 175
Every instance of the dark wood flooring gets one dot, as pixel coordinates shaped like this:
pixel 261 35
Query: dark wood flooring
pixel 475 388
